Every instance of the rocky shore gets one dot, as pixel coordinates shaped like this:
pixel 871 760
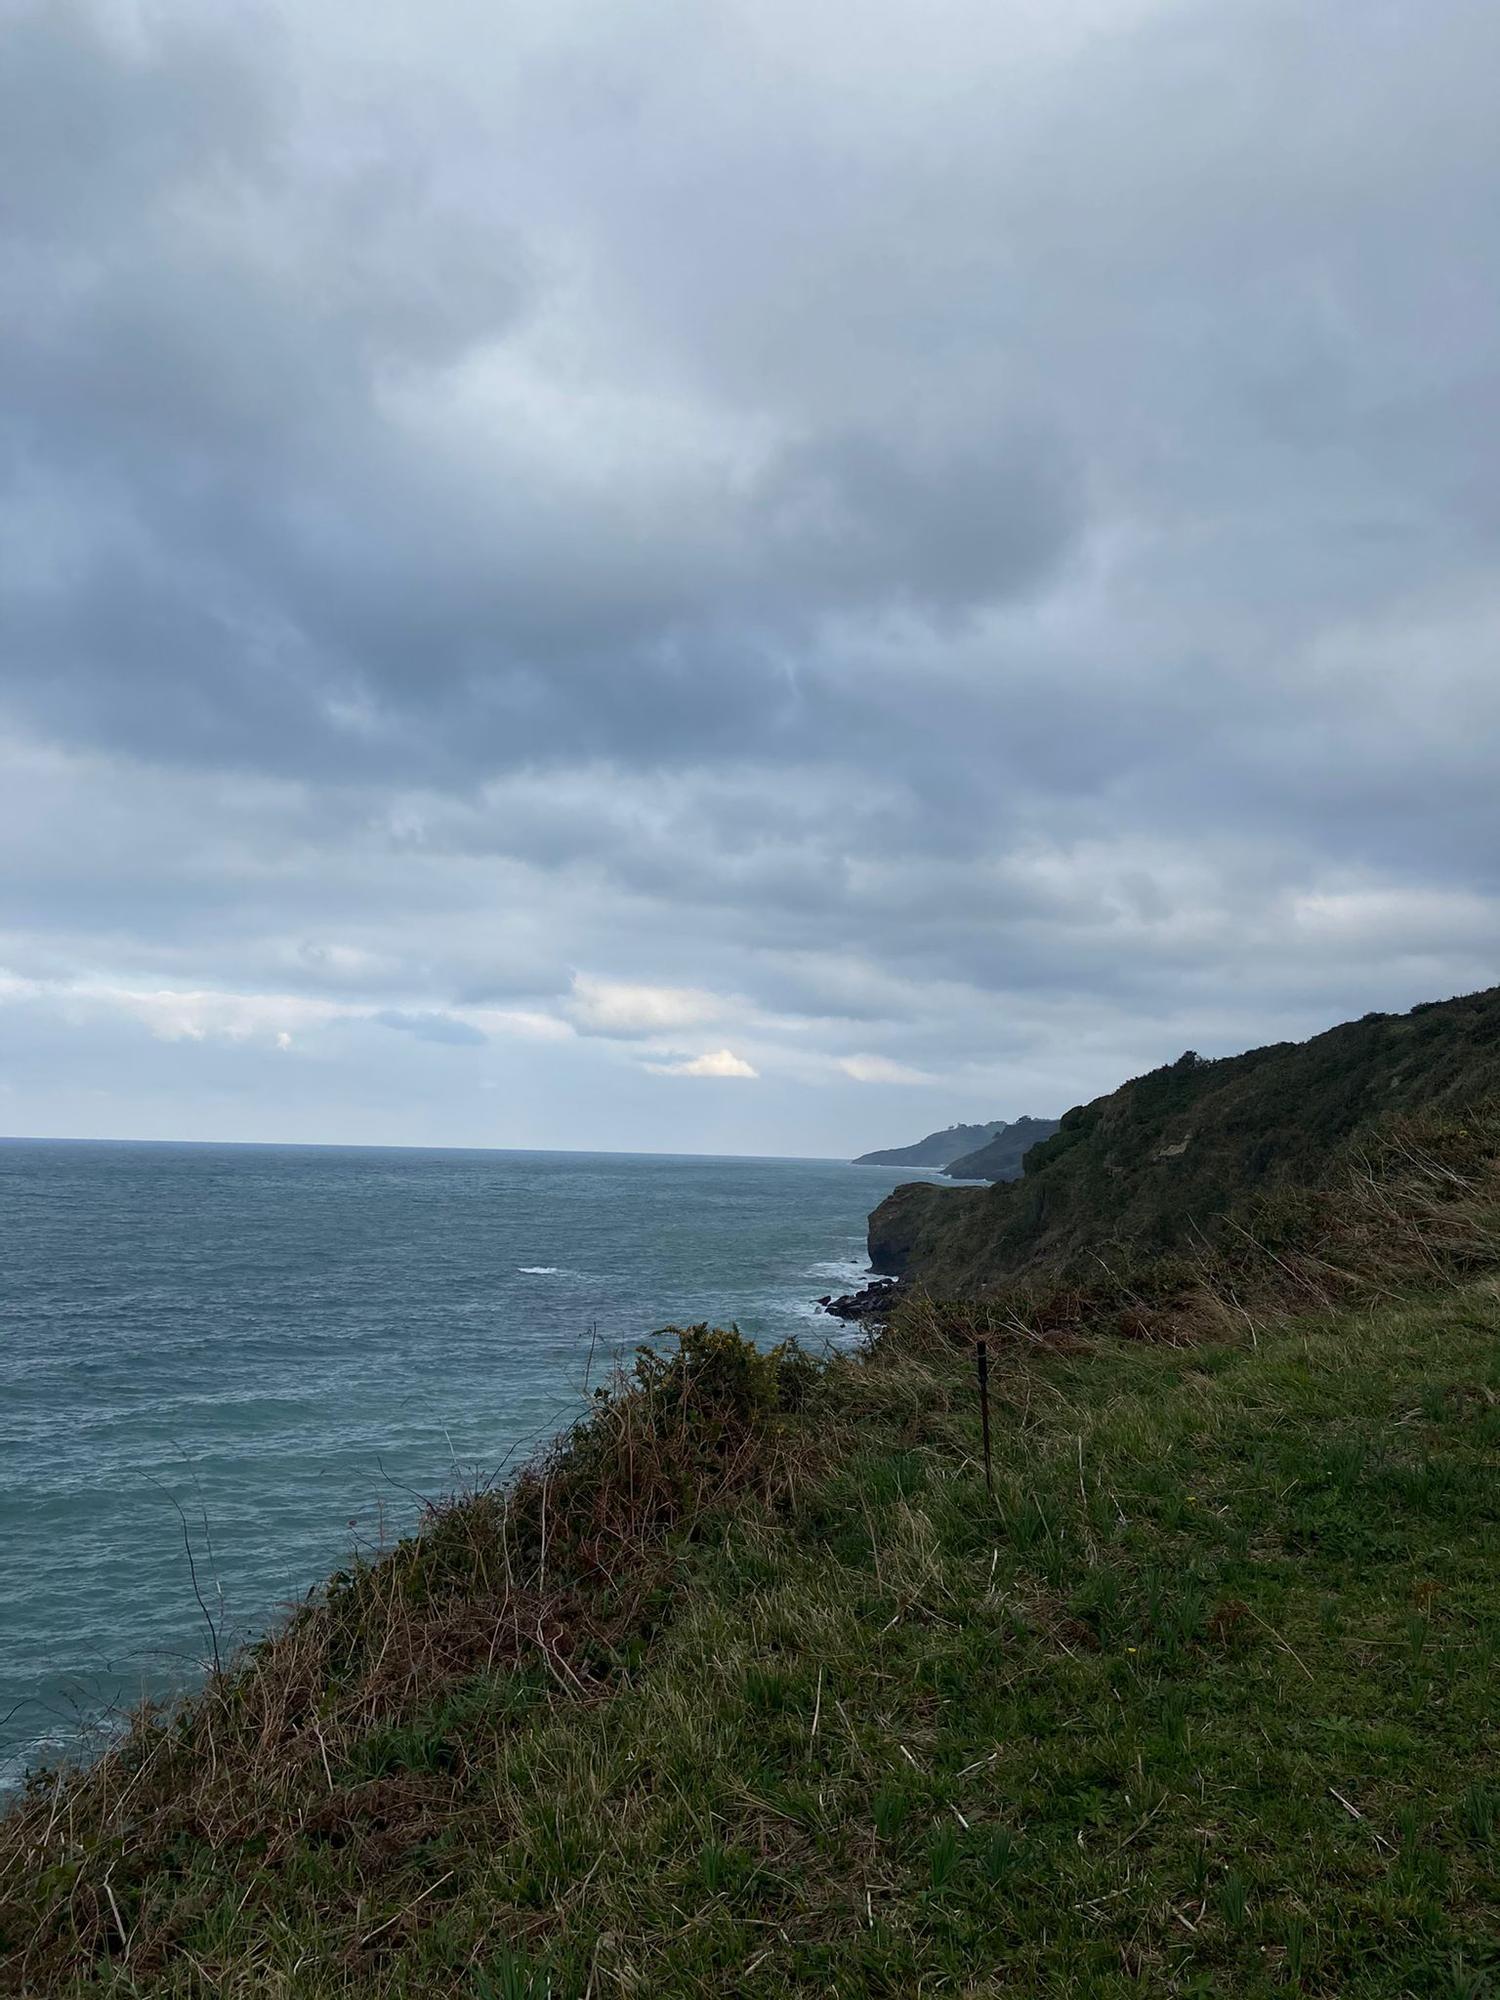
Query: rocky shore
pixel 872 1302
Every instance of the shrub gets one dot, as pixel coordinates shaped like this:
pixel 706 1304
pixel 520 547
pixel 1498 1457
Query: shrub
pixel 722 1377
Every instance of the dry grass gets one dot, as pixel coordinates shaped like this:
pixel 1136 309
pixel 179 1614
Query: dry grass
pixel 560 1578
pixel 1418 1202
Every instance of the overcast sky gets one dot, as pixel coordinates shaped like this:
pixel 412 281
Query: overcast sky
pixel 729 575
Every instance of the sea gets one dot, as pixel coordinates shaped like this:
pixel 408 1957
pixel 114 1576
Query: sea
pixel 223 1369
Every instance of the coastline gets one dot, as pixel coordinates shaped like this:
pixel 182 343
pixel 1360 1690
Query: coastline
pixel 297 1345
pixel 756 1640
pixel 383 1336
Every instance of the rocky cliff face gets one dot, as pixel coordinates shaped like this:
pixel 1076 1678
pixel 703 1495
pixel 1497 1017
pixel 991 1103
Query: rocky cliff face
pixel 904 1237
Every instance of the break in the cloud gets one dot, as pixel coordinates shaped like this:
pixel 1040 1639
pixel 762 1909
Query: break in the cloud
pixel 624 1011
pixel 717 1062
pixel 940 554
pixel 881 1069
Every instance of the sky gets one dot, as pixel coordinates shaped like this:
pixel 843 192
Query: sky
pixel 734 577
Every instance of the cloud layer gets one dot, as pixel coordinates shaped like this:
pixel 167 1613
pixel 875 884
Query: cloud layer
pixel 911 565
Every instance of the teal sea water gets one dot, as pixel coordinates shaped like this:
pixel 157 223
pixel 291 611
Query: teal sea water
pixel 280 1350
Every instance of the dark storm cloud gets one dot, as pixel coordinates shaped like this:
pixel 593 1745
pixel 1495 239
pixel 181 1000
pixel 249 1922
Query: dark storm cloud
pixel 968 511
pixel 253 548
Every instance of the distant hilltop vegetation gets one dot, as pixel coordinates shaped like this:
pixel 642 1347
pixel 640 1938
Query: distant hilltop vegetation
pixel 1144 1169
pixel 937 1149
pixel 1001 1159
pixel 989 1152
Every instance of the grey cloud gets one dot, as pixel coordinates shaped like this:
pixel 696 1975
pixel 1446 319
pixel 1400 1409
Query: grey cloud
pixel 432 1027
pixel 902 527
pixel 875 518
pixel 268 568
pixel 93 125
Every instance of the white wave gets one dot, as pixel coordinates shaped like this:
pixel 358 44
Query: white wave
pixel 853 1272
pixel 814 1322
pixel 540 1270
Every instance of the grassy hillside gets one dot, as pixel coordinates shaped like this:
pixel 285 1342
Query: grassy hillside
pixel 752 1687
pixel 1148 1167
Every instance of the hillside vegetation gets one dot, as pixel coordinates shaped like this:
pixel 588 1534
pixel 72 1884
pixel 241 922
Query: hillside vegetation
pixel 937 1149
pixel 1000 1159
pixel 1157 1162
pixel 755 1686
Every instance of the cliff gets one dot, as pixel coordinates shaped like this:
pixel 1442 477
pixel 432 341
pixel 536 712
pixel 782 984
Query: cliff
pixel 1147 1167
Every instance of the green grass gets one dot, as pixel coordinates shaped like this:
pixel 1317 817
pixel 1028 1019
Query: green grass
pixel 1202 1701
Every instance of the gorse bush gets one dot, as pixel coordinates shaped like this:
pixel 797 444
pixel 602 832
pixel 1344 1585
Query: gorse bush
pixel 688 1427
pixel 719 1375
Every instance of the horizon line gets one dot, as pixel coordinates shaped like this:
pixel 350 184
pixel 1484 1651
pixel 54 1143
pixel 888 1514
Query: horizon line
pixel 408 1146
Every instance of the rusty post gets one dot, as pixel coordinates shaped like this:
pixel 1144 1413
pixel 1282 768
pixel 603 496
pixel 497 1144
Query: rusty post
pixel 982 1357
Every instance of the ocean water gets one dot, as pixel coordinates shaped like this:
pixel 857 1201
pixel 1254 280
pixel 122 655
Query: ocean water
pixel 268 1356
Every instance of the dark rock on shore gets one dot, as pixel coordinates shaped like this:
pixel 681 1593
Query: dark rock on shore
pixel 873 1302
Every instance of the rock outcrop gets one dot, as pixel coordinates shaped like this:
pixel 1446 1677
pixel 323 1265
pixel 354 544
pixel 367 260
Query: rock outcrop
pixel 871 1302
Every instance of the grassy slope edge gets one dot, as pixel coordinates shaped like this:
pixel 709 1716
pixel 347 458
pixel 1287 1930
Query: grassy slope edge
pixel 1153 1163
pixel 752 1687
